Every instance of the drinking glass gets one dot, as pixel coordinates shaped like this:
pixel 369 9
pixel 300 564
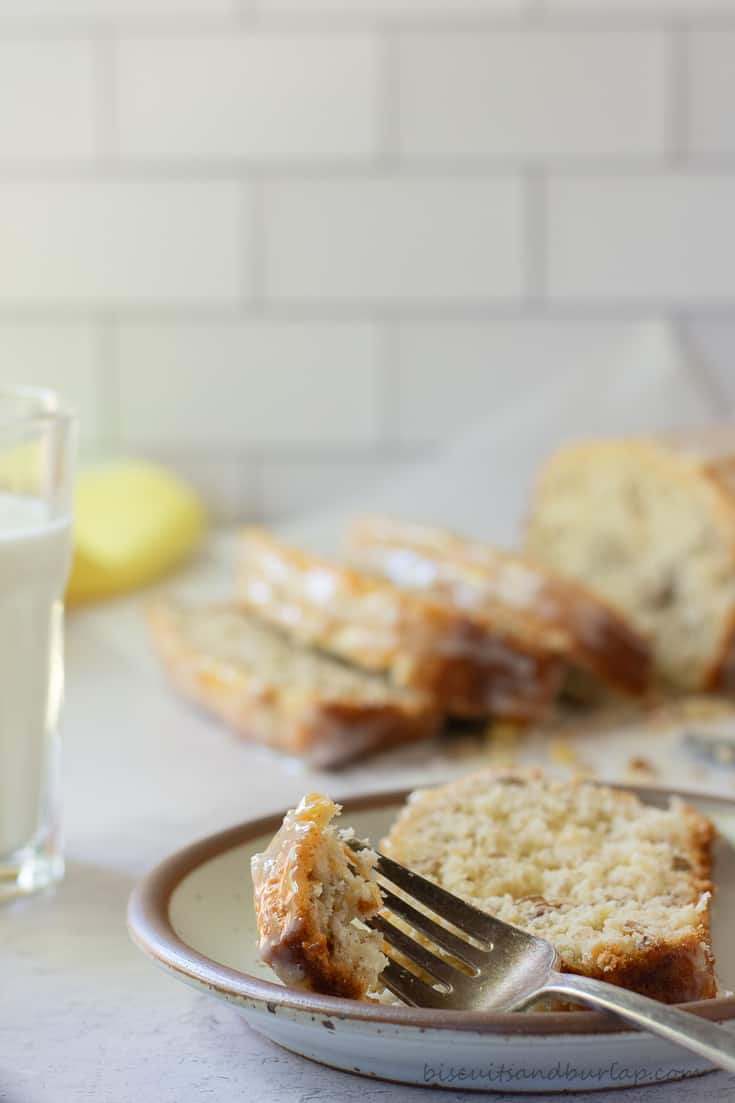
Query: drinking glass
pixel 37 452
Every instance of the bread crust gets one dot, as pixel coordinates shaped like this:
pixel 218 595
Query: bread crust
pixel 291 938
pixel 704 461
pixel 567 618
pixel 467 666
pixel 328 730
pixel 672 970
pixel 721 675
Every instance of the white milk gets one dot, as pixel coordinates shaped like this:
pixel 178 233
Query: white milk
pixel 35 555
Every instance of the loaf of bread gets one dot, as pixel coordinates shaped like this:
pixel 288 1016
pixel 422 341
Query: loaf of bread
pixel 620 888
pixel 650 525
pixel 470 667
pixel 310 892
pixel 267 689
pixel 565 617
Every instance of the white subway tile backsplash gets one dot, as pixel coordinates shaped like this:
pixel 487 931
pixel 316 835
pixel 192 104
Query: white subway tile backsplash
pixel 532 94
pixel 63 357
pixel 106 241
pixel 47 106
pixel 249 95
pixel 242 385
pixel 711 73
pixel 665 237
pixel 453 373
pixel 393 240
pixel 203 204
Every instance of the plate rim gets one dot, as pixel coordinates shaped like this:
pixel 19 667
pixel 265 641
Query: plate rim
pixel 151 930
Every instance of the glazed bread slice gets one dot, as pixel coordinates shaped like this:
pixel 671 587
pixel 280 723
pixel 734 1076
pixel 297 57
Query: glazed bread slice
pixel 468 666
pixel 565 616
pixel 311 894
pixel 620 888
pixel 267 689
pixel 650 524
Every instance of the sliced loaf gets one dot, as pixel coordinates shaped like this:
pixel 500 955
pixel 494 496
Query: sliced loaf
pixel 267 689
pixel 311 892
pixel 650 524
pixel 470 666
pixel 481 579
pixel 620 888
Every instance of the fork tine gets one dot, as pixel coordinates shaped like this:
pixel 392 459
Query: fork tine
pixel 441 935
pixel 420 955
pixel 409 988
pixel 444 904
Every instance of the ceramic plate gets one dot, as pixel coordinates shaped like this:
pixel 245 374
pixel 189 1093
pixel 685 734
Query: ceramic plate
pixel 194 916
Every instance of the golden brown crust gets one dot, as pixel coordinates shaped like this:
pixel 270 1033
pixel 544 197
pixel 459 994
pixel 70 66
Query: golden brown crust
pixel 722 671
pixel 662 971
pixel 469 667
pixel 679 969
pixel 291 937
pixel 665 971
pixel 566 617
pixel 328 730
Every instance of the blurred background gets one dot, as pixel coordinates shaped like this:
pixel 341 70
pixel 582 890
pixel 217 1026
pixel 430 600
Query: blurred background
pixel 290 246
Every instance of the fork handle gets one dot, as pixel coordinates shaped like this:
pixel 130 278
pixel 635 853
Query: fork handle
pixel 709 1040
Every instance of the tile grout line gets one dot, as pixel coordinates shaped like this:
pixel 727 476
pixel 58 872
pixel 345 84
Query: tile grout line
pixel 299 312
pixel 106 144
pixel 387 385
pixel 108 380
pixel 531 16
pixel 388 129
pixel 409 168
pixel 535 244
pixel 677 93
pixel 71 27
pixel 277 452
pixel 254 228
pixel 258 484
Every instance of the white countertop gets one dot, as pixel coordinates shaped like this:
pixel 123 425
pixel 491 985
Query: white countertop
pixel 83 1015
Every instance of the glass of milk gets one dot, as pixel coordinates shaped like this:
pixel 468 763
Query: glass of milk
pixel 37 451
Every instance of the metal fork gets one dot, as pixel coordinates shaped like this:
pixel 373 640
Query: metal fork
pixel 484 964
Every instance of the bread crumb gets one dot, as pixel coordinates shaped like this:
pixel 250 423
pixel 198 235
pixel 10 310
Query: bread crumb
pixel 563 753
pixel 501 740
pixel 637 764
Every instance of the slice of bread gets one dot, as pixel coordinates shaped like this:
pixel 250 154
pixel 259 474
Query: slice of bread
pixel 650 524
pixel 469 667
pixel 311 892
pixel 267 689
pixel 567 618
pixel 621 888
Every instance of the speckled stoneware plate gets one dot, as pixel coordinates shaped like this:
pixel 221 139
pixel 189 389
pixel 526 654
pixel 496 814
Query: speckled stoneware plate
pixel 194 916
